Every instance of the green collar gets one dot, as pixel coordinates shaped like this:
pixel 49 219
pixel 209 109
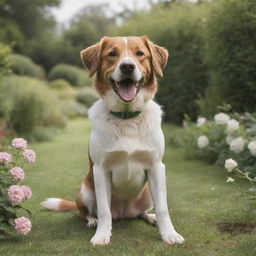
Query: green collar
pixel 125 115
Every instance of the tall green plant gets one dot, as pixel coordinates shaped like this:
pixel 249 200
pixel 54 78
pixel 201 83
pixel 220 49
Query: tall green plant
pixel 4 62
pixel 231 54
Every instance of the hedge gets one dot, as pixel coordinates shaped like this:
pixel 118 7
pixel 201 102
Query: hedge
pixel 75 76
pixel 212 54
pixel 26 104
pixel 23 65
pixel 231 56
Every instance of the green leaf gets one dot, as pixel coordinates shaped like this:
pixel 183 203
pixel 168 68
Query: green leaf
pixel 4 226
pixel 28 211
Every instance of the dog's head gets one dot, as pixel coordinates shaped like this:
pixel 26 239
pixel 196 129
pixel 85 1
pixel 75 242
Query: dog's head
pixel 125 66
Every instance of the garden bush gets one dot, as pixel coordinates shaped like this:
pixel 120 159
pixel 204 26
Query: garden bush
pixel 63 89
pixel 67 96
pixel 231 55
pixel 77 77
pixel 179 29
pixel 72 108
pixel 228 136
pixel 4 62
pixel 12 191
pixel 86 96
pixel 26 103
pixel 42 133
pixel 59 84
pixel 228 140
pixel 23 65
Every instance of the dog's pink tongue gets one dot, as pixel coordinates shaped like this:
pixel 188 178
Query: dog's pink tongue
pixel 127 93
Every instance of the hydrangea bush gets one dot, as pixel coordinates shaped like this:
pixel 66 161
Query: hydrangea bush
pixel 226 136
pixel 12 190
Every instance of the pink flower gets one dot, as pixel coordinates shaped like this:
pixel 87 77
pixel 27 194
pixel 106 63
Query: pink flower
pixel 19 143
pixel 5 158
pixel 15 194
pixel 27 192
pixel 29 156
pixel 23 225
pixel 17 174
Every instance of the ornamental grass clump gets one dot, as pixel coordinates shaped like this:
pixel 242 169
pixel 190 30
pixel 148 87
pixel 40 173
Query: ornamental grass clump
pixel 12 190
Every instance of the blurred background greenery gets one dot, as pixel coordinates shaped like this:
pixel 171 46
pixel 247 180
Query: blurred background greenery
pixel 42 83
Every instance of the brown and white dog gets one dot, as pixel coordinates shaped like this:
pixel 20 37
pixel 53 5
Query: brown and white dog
pixel 126 178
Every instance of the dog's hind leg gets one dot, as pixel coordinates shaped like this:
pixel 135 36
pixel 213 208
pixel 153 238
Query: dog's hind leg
pixel 140 206
pixel 150 218
pixel 86 201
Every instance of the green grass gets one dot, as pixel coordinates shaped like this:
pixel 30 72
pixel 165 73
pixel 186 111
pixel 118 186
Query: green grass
pixel 198 198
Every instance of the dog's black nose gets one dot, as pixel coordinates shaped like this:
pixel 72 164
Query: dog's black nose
pixel 127 68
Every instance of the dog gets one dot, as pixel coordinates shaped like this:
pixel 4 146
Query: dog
pixel 126 178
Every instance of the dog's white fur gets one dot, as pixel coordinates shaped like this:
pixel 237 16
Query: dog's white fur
pixel 52 203
pixel 137 145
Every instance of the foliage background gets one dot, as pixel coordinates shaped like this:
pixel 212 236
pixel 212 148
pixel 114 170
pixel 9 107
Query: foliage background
pixel 211 44
pixel 43 85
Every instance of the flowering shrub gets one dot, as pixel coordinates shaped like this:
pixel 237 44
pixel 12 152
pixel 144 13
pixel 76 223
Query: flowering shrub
pixel 226 136
pixel 234 172
pixel 12 192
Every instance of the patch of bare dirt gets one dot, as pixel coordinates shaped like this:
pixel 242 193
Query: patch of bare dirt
pixel 235 228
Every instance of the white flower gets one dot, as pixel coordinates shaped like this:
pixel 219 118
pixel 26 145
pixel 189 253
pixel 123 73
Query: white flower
pixel 230 180
pixel 230 164
pixel 200 121
pixel 202 141
pixel 252 189
pixel 229 138
pixel 232 125
pixel 237 145
pixel 221 118
pixel 252 147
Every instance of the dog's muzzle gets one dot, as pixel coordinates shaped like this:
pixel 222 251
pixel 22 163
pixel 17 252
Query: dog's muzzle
pixel 126 79
pixel 127 89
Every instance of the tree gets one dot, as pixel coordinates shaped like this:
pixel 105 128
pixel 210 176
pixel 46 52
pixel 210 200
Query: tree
pixel 96 15
pixel 88 26
pixel 26 18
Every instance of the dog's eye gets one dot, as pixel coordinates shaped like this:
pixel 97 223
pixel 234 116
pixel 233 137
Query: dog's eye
pixel 139 53
pixel 112 54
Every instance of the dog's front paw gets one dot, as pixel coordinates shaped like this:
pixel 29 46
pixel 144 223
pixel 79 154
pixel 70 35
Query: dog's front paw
pixel 101 238
pixel 172 237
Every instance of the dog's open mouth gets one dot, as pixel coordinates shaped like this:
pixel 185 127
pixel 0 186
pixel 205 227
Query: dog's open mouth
pixel 126 89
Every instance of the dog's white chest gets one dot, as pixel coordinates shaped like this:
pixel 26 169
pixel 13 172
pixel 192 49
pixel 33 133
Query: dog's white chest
pixel 128 161
pixel 126 148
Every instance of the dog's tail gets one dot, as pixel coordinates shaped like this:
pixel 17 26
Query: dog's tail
pixel 59 205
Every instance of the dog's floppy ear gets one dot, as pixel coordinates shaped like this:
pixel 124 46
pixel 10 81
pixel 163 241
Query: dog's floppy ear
pixel 91 56
pixel 159 56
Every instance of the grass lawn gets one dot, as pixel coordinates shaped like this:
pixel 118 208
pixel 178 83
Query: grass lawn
pixel 199 199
